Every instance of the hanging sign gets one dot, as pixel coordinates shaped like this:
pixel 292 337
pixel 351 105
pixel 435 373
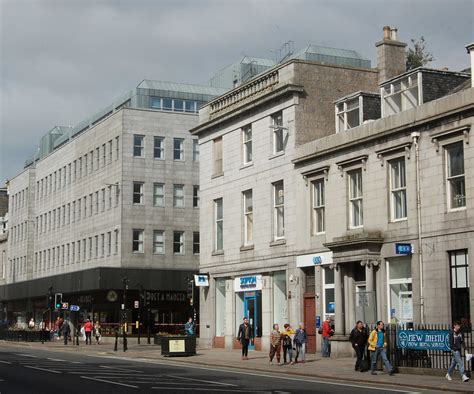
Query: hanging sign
pixel 201 280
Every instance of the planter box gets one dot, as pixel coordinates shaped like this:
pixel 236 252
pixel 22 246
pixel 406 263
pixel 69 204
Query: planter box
pixel 178 346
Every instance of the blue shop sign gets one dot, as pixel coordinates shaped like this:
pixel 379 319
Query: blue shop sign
pixel 403 249
pixel 423 339
pixel 318 321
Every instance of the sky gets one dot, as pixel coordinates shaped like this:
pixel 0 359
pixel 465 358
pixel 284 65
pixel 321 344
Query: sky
pixel 63 60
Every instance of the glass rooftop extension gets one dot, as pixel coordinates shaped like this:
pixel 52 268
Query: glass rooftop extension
pixel 337 56
pixel 158 95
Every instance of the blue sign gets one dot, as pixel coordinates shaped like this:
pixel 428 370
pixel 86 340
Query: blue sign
pixel 74 308
pixel 423 339
pixel 331 307
pixel 318 321
pixel 403 249
pixel 317 260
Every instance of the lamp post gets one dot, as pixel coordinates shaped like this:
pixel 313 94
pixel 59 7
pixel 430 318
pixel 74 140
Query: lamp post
pixel 124 313
pixel 140 306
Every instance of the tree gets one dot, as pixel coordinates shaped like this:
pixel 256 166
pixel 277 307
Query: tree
pixel 418 56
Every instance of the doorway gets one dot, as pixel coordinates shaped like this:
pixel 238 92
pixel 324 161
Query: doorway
pixel 310 321
pixel 253 310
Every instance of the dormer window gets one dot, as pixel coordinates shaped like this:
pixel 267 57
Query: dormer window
pixel 353 110
pixel 401 94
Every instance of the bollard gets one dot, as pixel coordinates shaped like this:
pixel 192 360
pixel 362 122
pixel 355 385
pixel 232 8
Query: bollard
pixel 116 340
pixel 124 340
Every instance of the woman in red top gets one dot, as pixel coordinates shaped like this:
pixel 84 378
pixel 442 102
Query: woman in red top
pixel 88 327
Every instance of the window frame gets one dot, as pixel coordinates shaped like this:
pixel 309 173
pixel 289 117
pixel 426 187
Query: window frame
pixel 400 189
pixel 157 196
pixel 139 242
pixel 218 225
pixel 181 243
pixel 136 146
pixel 180 149
pixel 157 243
pixel 247 156
pixel 450 178
pixel 352 200
pixel 276 208
pixel 160 148
pixel 247 211
pixel 139 193
pixel 177 198
pixel 318 228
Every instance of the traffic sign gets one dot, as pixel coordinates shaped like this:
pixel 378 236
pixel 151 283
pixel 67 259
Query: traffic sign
pixel 74 308
pixel 65 305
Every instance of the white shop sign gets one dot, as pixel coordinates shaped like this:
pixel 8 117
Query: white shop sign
pixel 310 260
pixel 248 283
pixel 201 280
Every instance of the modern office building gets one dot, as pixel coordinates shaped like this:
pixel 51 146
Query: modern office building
pixel 309 185
pixel 110 207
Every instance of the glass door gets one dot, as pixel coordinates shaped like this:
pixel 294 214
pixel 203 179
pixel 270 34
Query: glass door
pixel 251 308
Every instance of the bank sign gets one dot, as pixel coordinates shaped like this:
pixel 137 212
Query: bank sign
pixel 423 339
pixel 310 260
pixel 248 283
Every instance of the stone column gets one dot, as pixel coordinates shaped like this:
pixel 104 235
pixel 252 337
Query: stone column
pixel 369 276
pixel 350 304
pixel 229 313
pixel 339 299
pixel 267 311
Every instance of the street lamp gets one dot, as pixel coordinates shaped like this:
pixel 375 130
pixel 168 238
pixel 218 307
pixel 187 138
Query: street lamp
pixel 124 312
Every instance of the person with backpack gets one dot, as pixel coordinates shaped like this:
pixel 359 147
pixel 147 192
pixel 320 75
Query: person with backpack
pixel 300 341
pixel 287 343
pixel 358 339
pixel 456 344
pixel 326 332
pixel 377 345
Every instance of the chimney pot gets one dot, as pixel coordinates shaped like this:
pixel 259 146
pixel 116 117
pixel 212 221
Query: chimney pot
pixel 386 32
pixel 394 33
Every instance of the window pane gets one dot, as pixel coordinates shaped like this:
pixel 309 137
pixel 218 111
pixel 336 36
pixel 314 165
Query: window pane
pixel 190 106
pixel 457 192
pixel 155 102
pixel 455 159
pixel 167 104
pixel 178 153
pixel 179 105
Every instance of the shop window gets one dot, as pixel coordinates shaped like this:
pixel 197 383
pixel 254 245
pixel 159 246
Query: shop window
pixel 220 307
pixel 328 301
pixel 400 291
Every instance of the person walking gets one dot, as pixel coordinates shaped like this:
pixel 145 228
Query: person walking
pixel 358 339
pixel 326 332
pixel 300 341
pixel 190 327
pixel 287 342
pixel 244 336
pixel 275 344
pixel 456 343
pixel 97 333
pixel 65 331
pixel 31 324
pixel 377 345
pixel 88 327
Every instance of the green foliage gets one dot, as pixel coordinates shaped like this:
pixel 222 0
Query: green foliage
pixel 418 56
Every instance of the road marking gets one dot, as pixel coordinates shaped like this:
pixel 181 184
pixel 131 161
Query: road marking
pixel 120 369
pixel 5 362
pixel 25 355
pixel 108 381
pixel 76 362
pixel 42 369
pixel 55 359
pixel 202 381
pixel 208 389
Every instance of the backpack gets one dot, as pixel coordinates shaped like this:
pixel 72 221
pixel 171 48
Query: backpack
pixel 287 341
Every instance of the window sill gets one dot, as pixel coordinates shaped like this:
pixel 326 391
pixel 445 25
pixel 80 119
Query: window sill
pixel 454 210
pixel 245 248
pixel 246 165
pixel 217 175
pixel 278 242
pixel 401 220
pixel 275 155
pixel 217 253
pixel 158 159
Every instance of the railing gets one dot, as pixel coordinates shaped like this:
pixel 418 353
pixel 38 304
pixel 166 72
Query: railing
pixel 247 92
pixel 433 359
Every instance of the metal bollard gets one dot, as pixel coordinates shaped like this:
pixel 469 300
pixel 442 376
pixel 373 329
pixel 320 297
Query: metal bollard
pixel 116 340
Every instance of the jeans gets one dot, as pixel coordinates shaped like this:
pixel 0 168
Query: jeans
pixel 300 349
pixel 89 337
pixel 457 359
pixel 288 350
pixel 325 347
pixel 245 347
pixel 375 356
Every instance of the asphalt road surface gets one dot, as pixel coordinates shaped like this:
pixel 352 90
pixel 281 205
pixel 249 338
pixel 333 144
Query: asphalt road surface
pixel 41 371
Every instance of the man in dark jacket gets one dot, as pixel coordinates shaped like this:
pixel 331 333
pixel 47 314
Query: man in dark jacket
pixel 244 336
pixel 358 340
pixel 66 331
pixel 456 343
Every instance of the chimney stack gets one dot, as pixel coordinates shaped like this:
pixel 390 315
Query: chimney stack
pixel 470 50
pixel 391 57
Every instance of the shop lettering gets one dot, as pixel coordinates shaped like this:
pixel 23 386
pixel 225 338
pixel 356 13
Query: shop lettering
pixel 423 339
pixel 248 282
pixel 158 296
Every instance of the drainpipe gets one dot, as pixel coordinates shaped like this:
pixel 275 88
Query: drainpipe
pixel 416 137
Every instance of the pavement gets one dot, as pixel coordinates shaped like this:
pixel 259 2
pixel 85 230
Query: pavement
pixel 334 369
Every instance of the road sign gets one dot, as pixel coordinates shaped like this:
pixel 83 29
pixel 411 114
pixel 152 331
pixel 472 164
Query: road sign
pixel 65 305
pixel 74 308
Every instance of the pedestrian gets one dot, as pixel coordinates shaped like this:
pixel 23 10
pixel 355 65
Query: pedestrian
pixel 300 341
pixel 244 336
pixel 358 339
pixel 97 333
pixel 31 324
pixel 287 342
pixel 326 332
pixel 456 343
pixel 190 327
pixel 66 331
pixel 275 344
pixel 377 345
pixel 88 327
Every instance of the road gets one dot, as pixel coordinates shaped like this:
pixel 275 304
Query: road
pixel 42 371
